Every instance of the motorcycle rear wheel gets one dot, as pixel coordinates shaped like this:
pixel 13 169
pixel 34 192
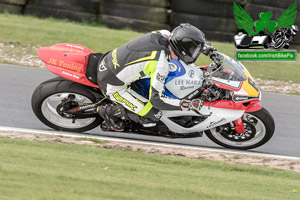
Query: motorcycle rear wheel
pixel 48 95
pixel 259 128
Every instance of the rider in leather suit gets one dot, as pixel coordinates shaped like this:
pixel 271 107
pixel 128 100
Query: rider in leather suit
pixel 146 56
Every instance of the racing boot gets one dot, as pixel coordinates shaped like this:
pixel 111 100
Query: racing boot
pixel 114 117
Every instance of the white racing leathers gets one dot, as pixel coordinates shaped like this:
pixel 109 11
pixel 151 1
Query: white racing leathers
pixel 143 57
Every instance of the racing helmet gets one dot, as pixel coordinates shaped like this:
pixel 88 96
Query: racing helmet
pixel 187 41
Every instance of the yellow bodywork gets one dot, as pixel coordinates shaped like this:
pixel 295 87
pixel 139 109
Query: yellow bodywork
pixel 249 85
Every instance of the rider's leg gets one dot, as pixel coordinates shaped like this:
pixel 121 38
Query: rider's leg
pixel 137 108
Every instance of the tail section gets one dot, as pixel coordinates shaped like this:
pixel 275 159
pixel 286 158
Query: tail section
pixel 68 61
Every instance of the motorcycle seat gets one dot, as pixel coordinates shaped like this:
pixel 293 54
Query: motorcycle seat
pixel 91 70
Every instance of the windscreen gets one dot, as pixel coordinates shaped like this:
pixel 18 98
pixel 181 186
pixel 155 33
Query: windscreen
pixel 230 70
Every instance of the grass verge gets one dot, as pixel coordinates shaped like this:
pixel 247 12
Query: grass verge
pixel 45 170
pixel 30 31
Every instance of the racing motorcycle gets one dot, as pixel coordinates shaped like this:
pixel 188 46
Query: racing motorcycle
pixel 231 116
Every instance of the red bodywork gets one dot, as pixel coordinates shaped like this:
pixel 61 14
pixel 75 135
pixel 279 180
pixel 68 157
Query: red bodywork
pixel 68 61
pixel 239 126
pixel 252 105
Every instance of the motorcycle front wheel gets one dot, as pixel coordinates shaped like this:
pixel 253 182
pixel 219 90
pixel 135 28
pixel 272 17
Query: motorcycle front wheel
pixel 47 98
pixel 259 128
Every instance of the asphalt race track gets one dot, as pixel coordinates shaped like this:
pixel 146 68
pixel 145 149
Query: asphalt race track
pixel 18 83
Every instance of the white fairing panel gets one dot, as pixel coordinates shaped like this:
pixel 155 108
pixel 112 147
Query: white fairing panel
pixel 219 116
pixel 234 84
pixel 187 83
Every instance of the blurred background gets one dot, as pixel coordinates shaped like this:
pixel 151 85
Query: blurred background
pixel 214 17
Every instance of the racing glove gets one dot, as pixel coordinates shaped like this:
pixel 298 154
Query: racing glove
pixel 207 48
pixel 195 104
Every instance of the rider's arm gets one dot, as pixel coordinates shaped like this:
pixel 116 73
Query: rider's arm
pixel 158 75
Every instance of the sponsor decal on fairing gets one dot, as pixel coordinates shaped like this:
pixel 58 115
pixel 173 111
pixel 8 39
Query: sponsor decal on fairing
pixel 214 123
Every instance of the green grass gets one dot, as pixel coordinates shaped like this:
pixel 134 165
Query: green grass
pixel 43 170
pixel 27 30
pixel 45 32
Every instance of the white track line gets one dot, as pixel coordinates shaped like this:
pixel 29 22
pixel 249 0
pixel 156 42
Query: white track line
pixel 78 135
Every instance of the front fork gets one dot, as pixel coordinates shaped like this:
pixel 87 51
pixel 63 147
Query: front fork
pixel 239 126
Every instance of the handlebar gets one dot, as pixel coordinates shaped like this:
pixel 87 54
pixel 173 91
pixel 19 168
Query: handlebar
pixel 213 57
pixel 209 51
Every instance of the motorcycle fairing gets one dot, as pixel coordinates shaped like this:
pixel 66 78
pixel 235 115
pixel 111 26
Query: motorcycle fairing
pixel 227 85
pixel 235 77
pixel 68 61
pixel 182 79
pixel 175 70
pixel 217 117
pixel 248 91
pixel 219 113
pixel 222 111
pixel 230 76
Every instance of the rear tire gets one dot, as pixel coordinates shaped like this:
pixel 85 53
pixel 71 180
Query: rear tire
pixel 262 118
pixel 52 89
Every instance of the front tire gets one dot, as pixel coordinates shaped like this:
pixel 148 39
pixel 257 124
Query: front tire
pixel 48 95
pixel 259 128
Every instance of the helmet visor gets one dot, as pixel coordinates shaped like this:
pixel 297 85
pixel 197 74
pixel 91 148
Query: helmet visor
pixel 196 52
pixel 192 50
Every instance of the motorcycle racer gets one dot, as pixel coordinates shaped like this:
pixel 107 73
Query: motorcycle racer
pixel 146 56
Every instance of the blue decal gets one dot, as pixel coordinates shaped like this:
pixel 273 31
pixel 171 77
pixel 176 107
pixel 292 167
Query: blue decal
pixel 144 84
pixel 179 71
